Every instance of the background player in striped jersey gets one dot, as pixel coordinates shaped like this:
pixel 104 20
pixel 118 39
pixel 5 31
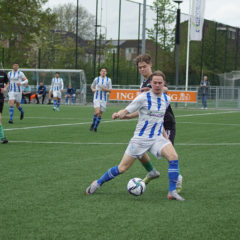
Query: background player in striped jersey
pixel 16 79
pixel 148 135
pixel 56 89
pixel 3 87
pixel 100 87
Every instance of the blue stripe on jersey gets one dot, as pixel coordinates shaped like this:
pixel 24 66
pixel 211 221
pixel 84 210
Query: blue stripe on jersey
pixel 159 103
pixel 165 96
pixel 10 87
pixel 143 129
pixel 98 80
pixel 105 96
pixel 96 94
pixel 149 100
pixel 160 129
pixel 152 130
pixel 102 81
pixel 100 95
pixel 14 87
pixel 19 88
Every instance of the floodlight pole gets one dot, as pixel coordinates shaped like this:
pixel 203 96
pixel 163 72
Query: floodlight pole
pixel 118 46
pixel 76 52
pixel 95 44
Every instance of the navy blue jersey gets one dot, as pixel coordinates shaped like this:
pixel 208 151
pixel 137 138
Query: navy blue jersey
pixel 3 81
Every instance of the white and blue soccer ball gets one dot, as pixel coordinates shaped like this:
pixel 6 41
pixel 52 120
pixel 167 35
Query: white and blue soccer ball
pixel 136 186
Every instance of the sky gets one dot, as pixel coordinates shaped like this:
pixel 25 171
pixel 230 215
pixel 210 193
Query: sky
pixel 216 10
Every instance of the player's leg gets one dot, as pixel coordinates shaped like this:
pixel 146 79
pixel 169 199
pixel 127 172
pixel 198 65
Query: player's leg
pixel 19 107
pixel 43 98
pixel 59 96
pixel 96 110
pixel 66 99
pixel 99 118
pixel 113 172
pixel 2 137
pixel 171 133
pixel 37 98
pixel 170 154
pixel 73 98
pixel 147 164
pixel 11 107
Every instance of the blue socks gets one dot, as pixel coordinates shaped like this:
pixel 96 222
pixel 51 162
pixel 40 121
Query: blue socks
pixel 58 103
pixel 98 120
pixel 20 109
pixel 94 119
pixel 110 174
pixel 11 112
pixel 54 103
pixel 173 174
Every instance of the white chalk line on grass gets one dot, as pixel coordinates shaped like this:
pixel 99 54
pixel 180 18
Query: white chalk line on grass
pixel 110 121
pixel 104 143
pixel 206 123
pixel 203 114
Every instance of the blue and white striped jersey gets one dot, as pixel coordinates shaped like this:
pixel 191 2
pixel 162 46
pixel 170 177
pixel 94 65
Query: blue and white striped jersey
pixel 14 78
pixel 98 83
pixel 57 84
pixel 151 108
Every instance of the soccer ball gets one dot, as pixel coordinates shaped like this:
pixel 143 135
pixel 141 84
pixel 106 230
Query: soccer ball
pixel 136 186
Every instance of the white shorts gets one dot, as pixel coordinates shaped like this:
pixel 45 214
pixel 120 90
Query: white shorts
pixel 100 104
pixel 57 94
pixel 17 96
pixel 136 149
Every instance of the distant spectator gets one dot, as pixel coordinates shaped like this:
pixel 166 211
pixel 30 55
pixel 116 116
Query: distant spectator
pixel 204 84
pixel 70 94
pixel 26 93
pixel 41 92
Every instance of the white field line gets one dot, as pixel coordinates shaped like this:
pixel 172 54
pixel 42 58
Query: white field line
pixel 204 114
pixel 102 143
pixel 110 121
pixel 205 123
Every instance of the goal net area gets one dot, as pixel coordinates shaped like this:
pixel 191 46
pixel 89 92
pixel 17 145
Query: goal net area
pixel 75 78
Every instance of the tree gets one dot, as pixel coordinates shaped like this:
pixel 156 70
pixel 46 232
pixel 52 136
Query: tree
pixel 66 17
pixel 163 30
pixel 21 22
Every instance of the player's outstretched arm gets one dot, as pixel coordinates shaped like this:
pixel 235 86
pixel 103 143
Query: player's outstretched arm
pixel 120 114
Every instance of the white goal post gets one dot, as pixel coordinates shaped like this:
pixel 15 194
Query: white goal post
pixel 74 77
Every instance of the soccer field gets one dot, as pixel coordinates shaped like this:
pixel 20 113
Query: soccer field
pixel 52 157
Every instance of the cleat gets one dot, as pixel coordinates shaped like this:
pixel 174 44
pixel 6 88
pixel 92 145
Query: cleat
pixel 22 116
pixel 92 127
pixel 92 188
pixel 4 140
pixel 173 195
pixel 10 121
pixel 95 129
pixel 151 175
pixel 179 183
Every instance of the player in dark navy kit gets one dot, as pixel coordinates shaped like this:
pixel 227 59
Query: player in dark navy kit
pixel 4 83
pixel 144 65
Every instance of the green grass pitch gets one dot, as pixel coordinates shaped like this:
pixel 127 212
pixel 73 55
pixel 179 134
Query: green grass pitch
pixel 52 157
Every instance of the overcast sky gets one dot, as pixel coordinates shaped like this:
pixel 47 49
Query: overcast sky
pixel 227 12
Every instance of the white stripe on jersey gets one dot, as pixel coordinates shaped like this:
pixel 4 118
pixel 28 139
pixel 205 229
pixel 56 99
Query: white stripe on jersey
pixel 14 78
pixel 151 109
pixel 98 83
pixel 57 84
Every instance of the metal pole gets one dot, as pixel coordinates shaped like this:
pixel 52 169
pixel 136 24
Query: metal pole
pixel 214 50
pixel 95 44
pixel 113 73
pixel 201 67
pixel 177 41
pixel 76 52
pixel 39 58
pixel 156 47
pixel 138 48
pixel 144 32
pixel 3 57
pixel 118 48
pixel 225 54
pixel 188 45
pixel 236 52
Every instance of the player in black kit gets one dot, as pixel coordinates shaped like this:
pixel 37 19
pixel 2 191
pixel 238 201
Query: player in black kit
pixel 4 83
